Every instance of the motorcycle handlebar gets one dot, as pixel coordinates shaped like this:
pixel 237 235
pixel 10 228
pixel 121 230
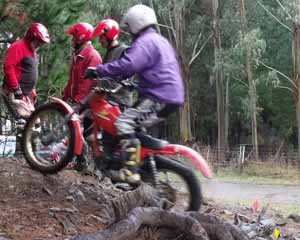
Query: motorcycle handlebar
pixel 110 85
pixel 6 40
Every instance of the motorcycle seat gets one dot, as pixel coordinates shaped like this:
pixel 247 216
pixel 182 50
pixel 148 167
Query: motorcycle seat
pixel 150 142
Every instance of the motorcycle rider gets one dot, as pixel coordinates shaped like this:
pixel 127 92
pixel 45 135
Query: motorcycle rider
pixel 160 86
pixel 84 55
pixel 21 70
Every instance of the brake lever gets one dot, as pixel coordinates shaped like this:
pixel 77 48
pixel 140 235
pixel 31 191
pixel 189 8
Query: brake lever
pixel 130 83
pixel 114 90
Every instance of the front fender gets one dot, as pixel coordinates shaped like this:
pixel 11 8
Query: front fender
pixel 199 161
pixel 65 105
pixel 78 146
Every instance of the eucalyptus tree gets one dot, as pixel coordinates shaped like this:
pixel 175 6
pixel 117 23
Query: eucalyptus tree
pixel 251 81
pixel 287 16
pixel 243 46
pixel 219 78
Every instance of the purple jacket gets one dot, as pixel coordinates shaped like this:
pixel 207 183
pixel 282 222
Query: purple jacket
pixel 153 58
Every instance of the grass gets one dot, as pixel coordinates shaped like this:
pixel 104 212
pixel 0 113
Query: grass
pixel 266 173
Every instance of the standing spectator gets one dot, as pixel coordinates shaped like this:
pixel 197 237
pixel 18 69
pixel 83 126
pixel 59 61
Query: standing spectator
pixel 84 55
pixel 108 31
pixel 21 70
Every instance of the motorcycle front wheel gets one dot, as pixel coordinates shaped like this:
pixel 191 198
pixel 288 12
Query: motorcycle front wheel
pixel 48 139
pixel 175 182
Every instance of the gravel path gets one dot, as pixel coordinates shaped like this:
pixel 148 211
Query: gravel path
pixel 237 192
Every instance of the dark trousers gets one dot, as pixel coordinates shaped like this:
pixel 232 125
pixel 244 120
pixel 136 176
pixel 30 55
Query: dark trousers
pixel 145 113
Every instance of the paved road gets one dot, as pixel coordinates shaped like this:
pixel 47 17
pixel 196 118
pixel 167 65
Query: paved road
pixel 237 192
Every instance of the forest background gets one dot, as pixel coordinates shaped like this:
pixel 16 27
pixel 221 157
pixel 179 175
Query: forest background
pixel 239 61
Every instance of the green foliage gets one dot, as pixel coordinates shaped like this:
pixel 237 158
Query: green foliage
pixel 254 42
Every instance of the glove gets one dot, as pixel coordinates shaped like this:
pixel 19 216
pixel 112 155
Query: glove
pixel 91 73
pixel 18 93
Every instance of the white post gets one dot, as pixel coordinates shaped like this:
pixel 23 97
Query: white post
pixel 207 154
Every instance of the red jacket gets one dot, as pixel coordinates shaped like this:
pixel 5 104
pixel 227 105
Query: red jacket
pixel 78 87
pixel 20 67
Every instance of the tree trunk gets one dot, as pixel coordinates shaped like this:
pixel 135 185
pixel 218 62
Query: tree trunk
pixel 296 77
pixel 185 113
pixel 251 81
pixel 227 113
pixel 180 33
pixel 219 78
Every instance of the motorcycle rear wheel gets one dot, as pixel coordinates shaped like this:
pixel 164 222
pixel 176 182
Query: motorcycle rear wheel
pixel 48 139
pixel 177 183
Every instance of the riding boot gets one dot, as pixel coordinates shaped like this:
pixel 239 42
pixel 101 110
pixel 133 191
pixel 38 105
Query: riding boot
pixel 78 164
pixel 131 151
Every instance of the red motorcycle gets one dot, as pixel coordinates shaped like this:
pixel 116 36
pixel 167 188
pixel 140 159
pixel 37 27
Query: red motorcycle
pixel 58 139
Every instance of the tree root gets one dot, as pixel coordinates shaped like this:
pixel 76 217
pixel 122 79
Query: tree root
pixel 144 207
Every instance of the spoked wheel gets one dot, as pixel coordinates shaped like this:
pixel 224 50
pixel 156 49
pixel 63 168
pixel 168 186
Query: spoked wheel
pixel 174 188
pixel 48 139
pixel 178 184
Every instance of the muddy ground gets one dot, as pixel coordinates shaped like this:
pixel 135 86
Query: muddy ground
pixel 33 206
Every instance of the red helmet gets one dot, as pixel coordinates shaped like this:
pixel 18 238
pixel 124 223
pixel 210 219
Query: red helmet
pixel 82 32
pixel 37 31
pixel 108 28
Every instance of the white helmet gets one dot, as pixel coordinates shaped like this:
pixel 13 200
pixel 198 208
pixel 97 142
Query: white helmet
pixel 138 17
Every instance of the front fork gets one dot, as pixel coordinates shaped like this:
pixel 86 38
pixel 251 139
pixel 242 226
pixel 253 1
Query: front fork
pixel 153 170
pixel 78 146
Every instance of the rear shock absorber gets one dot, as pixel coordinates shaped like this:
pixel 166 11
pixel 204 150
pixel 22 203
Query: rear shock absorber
pixel 154 170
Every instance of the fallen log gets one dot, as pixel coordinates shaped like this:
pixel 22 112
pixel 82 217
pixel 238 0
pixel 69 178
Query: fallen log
pixel 143 207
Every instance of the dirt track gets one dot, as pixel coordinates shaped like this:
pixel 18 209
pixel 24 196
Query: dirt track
pixel 239 192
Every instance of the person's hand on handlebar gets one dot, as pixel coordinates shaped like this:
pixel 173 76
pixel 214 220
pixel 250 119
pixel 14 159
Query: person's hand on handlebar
pixel 106 84
pixel 91 73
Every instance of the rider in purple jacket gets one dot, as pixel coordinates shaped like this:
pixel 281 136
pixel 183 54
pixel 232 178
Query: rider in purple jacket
pixel 153 58
pixel 160 86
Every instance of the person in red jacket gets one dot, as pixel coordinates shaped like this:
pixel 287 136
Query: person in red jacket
pixel 84 55
pixel 21 70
